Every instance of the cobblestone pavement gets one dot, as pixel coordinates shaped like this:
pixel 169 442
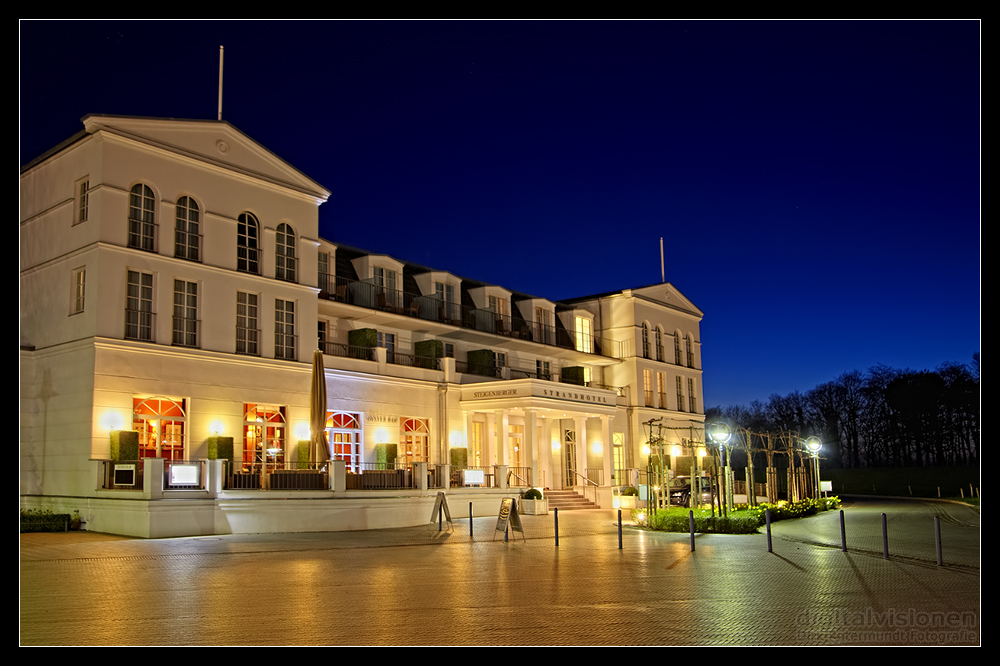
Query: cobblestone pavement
pixel 418 586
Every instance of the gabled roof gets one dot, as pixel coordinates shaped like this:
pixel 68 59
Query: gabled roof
pixel 212 141
pixel 662 293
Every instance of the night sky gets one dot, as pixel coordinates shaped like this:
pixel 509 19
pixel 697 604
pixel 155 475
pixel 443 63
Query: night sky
pixel 817 184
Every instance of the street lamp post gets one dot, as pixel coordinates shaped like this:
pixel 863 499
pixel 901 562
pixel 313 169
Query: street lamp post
pixel 721 433
pixel 813 445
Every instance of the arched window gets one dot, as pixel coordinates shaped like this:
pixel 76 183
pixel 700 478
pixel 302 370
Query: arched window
pixel 645 340
pixel 690 351
pixel 284 260
pixel 659 343
pixel 160 424
pixel 142 218
pixel 414 440
pixel 677 347
pixel 187 239
pixel 343 433
pixel 248 244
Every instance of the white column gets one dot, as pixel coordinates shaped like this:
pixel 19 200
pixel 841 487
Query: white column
pixel 531 443
pixel 608 450
pixel 580 423
pixel 502 429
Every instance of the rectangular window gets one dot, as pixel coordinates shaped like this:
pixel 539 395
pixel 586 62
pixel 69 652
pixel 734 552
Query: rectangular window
pixel 499 361
pixel 77 298
pixel 385 279
pixel 680 395
pixel 449 350
pixel 647 386
pixel 247 333
pixel 388 341
pixel 325 281
pixel 445 293
pixel 139 307
pixel 284 329
pixel 544 332
pixel 82 201
pixel 692 400
pixel 185 313
pixel 661 390
pixel 542 369
pixel 584 339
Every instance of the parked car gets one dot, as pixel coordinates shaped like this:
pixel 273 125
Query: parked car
pixel 680 490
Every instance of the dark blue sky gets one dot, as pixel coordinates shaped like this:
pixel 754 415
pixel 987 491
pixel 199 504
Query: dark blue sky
pixel 817 184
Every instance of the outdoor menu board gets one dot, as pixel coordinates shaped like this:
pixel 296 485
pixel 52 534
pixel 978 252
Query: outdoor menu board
pixel 508 515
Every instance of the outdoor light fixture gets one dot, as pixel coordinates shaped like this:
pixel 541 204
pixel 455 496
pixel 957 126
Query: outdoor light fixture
pixel 721 433
pixel 813 445
pixel 217 428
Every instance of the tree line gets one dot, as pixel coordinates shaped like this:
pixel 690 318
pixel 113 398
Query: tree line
pixel 880 418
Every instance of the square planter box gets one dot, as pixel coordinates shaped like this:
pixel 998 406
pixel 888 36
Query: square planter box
pixel 534 507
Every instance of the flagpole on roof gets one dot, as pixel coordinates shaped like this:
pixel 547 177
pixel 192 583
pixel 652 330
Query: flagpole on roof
pixel 220 82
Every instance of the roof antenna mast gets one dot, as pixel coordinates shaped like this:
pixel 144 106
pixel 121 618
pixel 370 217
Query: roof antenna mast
pixel 220 89
pixel 663 276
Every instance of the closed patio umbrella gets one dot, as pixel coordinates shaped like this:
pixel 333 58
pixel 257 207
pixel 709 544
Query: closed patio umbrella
pixel 319 451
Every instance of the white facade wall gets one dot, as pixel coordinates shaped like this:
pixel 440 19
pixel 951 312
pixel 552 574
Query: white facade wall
pixel 80 375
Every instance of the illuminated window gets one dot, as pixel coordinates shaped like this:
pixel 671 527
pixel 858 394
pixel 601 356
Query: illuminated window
pixel 647 386
pixel 263 436
pixel 160 424
pixel 284 261
pixel 414 440
pixel 248 244
pixel 344 436
pixel 661 390
pixel 141 218
pixel 187 240
pixel 584 335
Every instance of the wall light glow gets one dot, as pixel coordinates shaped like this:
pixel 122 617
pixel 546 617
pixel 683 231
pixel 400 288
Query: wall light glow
pixel 216 428
pixel 112 421
pixel 302 431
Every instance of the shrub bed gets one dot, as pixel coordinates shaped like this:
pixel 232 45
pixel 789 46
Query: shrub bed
pixel 743 520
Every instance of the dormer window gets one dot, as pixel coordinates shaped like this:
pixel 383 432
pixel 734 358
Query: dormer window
pixel 584 335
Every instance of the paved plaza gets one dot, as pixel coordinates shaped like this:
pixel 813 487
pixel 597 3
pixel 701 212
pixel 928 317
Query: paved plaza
pixel 418 586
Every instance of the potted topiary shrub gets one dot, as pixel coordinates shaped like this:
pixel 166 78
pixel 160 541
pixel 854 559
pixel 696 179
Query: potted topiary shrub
pixel 627 497
pixel 533 503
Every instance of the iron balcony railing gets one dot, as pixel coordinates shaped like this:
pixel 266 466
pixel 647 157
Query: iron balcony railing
pixel 187 332
pixel 139 325
pixel 248 341
pixel 364 293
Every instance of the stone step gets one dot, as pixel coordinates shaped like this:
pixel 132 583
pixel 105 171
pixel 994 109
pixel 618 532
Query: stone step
pixel 567 500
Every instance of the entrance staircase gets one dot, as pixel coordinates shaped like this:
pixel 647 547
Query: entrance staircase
pixel 567 500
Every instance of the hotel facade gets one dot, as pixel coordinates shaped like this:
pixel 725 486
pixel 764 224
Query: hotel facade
pixel 173 290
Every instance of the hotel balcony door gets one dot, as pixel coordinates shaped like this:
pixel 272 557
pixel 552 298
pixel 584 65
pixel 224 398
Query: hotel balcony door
pixel 569 460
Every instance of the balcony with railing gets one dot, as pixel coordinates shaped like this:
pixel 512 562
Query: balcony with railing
pixel 366 294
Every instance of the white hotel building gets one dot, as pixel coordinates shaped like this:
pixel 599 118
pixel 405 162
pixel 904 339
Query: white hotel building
pixel 173 283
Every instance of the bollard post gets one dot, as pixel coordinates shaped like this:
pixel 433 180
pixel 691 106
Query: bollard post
pixel 843 533
pixel 619 529
pixel 937 539
pixel 555 510
pixel 691 527
pixel 885 539
pixel 767 519
pixel 470 520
